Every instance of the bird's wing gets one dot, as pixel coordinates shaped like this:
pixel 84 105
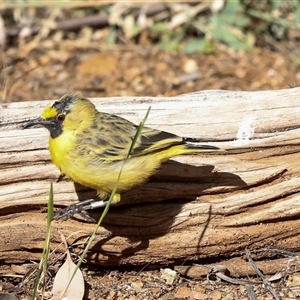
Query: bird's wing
pixel 117 134
pixel 152 140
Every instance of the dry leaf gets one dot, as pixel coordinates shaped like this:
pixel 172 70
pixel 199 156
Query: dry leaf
pixel 75 291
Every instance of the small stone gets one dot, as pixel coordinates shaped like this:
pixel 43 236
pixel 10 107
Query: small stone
pixel 137 286
pixel 190 66
pixel 169 275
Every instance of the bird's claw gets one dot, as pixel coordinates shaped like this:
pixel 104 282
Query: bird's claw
pixel 78 208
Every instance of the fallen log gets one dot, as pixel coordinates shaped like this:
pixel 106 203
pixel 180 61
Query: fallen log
pixel 197 207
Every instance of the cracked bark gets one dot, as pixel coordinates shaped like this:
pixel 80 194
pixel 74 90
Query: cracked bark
pixel 196 207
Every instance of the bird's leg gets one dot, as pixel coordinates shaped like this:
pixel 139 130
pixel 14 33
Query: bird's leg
pixel 73 209
pixel 81 206
pixel 101 203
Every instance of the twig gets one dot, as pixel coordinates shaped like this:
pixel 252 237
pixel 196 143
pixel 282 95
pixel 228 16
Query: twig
pixel 184 78
pixel 96 20
pixel 250 292
pixel 261 275
pixel 280 251
pixel 219 271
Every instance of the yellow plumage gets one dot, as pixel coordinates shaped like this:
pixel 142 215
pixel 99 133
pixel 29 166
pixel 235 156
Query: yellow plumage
pixel 90 147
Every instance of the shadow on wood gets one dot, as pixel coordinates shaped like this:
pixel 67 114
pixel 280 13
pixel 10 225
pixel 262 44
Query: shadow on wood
pixel 197 207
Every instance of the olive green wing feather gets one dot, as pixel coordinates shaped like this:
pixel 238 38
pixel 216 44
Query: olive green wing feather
pixel 152 140
pixel 116 135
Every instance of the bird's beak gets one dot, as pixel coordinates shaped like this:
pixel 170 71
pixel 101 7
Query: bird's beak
pixel 38 121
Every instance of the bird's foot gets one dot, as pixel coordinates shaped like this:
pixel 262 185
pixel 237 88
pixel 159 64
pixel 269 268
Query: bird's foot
pixel 79 208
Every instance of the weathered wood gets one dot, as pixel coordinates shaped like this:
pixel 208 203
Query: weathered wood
pixel 197 206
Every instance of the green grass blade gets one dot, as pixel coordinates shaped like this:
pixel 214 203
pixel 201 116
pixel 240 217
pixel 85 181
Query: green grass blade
pixel 43 266
pixel 93 235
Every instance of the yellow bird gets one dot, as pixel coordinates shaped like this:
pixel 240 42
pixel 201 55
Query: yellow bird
pixel 91 147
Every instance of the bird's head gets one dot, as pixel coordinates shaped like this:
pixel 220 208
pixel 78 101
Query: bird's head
pixel 69 113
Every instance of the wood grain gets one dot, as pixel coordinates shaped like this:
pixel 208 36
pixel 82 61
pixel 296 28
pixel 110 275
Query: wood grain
pixel 195 207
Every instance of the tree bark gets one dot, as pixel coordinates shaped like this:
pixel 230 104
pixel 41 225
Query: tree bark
pixel 196 207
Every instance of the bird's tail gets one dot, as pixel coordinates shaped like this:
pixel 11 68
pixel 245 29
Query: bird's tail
pixel 187 146
pixel 196 144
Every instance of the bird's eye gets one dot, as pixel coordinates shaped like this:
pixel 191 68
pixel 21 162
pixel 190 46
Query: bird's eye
pixel 60 117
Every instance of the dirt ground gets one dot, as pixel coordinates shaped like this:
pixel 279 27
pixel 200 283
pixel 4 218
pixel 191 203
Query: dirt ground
pixel 47 69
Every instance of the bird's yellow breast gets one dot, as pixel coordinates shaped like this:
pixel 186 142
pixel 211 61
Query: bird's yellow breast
pixel 61 151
